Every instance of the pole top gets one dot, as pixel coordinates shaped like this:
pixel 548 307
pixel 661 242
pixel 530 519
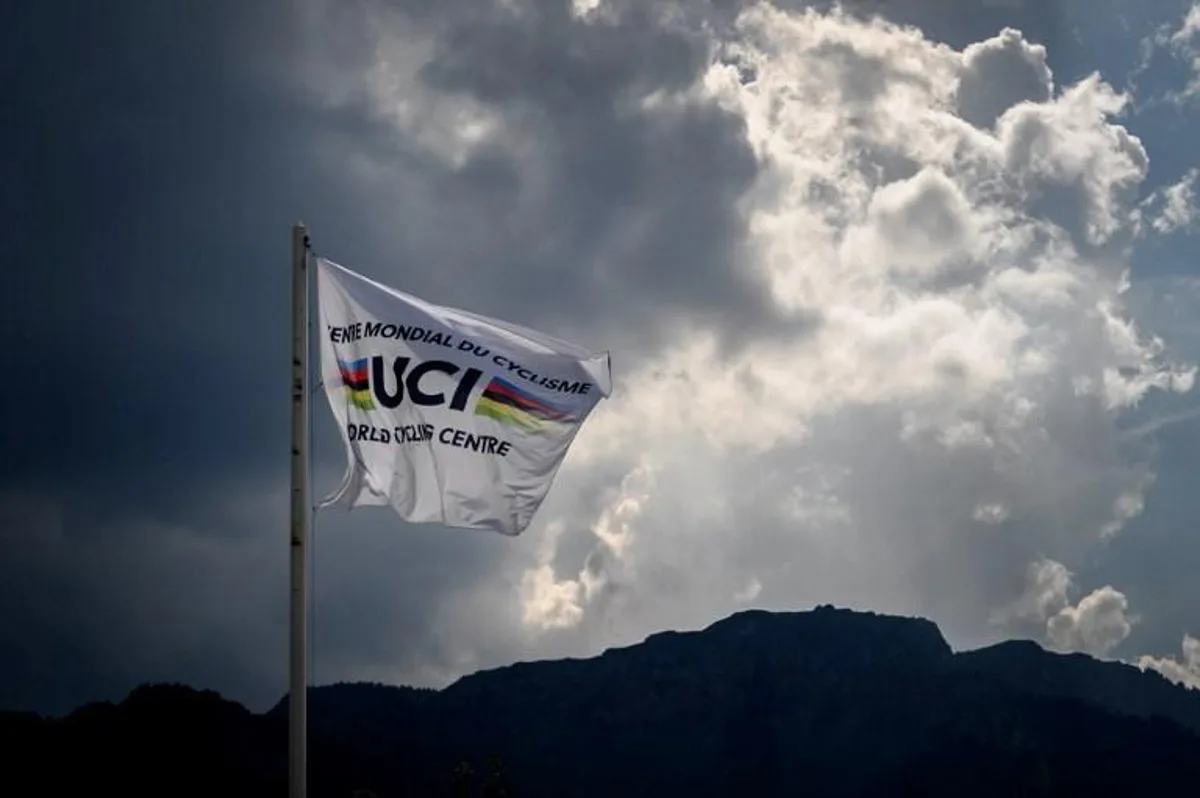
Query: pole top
pixel 300 235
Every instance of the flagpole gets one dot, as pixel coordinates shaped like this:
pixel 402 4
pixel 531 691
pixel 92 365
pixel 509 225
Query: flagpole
pixel 301 515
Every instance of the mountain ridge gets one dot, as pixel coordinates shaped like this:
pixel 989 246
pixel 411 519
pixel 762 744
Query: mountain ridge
pixel 832 701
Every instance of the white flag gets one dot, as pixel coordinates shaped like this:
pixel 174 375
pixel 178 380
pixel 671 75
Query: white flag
pixel 448 416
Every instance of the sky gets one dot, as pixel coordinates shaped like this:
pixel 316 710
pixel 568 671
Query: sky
pixel 901 299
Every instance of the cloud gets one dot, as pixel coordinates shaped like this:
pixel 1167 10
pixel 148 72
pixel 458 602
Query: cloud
pixel 1097 624
pixel 551 603
pixel 1185 41
pixel 955 412
pixel 1178 209
pixel 573 165
pixel 981 101
pixel 135 600
pixel 1179 42
pixel 1185 672
pixel 866 287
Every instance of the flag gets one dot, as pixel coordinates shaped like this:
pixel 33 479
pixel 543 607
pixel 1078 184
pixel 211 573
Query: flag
pixel 448 416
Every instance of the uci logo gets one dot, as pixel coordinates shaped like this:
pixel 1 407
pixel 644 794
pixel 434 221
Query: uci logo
pixel 368 382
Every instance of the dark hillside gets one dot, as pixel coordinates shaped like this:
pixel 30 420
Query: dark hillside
pixel 828 702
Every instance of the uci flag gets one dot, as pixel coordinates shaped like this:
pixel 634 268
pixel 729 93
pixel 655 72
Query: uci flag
pixel 448 416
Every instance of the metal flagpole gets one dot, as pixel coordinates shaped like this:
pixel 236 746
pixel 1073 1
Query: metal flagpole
pixel 301 520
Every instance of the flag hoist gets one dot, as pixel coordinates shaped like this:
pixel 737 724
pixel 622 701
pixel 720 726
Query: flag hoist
pixel 447 416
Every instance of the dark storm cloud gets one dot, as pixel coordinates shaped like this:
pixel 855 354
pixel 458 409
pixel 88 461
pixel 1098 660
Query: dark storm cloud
pixel 151 186
pixel 150 189
pixel 159 160
pixel 581 199
pixel 154 160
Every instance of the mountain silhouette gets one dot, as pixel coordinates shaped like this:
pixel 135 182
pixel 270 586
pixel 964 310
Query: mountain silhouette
pixel 822 703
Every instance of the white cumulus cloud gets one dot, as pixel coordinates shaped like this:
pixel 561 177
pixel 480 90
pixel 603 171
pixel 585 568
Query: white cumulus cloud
pixel 1096 624
pixel 1176 205
pixel 1185 671
pixel 954 226
pixel 955 409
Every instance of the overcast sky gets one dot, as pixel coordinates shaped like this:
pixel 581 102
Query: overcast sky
pixel 903 317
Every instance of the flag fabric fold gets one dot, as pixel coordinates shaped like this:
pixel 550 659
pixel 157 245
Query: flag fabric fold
pixel 448 416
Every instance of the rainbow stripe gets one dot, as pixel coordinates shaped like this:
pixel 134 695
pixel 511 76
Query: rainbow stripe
pixel 508 404
pixel 357 382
